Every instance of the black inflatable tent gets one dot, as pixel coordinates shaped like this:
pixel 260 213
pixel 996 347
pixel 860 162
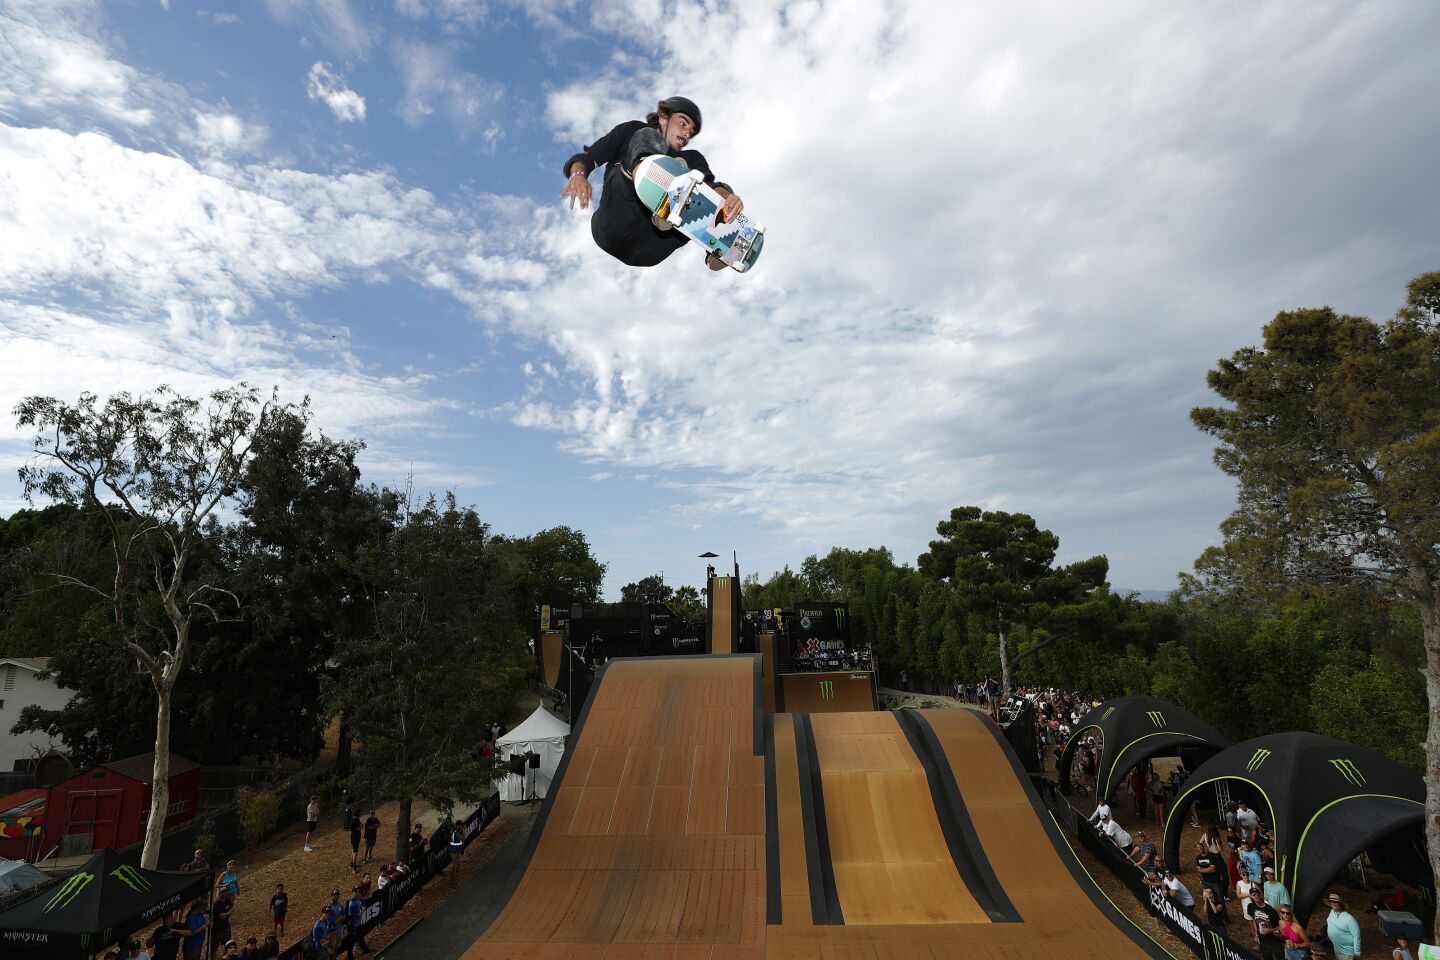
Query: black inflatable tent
pixel 1135 729
pixel 1329 800
pixel 101 903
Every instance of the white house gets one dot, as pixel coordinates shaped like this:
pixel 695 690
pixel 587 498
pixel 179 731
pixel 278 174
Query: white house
pixel 21 687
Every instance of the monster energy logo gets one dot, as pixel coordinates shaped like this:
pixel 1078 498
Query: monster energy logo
pixel 840 617
pixel 827 689
pixel 1217 944
pixel 1106 715
pixel 1156 717
pixel 131 877
pixel 1257 758
pixel 1349 771
pixel 66 895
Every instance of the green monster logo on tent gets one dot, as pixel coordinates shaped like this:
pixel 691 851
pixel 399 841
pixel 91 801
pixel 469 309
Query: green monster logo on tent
pixel 66 895
pixel 131 877
pixel 827 689
pixel 1156 717
pixel 1106 715
pixel 840 617
pixel 1257 758
pixel 1349 771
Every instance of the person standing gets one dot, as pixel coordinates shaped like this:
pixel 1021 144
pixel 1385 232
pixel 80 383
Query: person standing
pixel 1177 891
pixel 1275 893
pixel 1215 916
pixel 1247 820
pixel 1137 792
pixel 1156 786
pixel 279 906
pixel 1292 931
pixel 192 931
pixel 904 681
pixel 220 912
pixel 355 831
pixel 354 913
pixel 1207 863
pixel 1402 949
pixel 165 941
pixel 312 820
pixel 1102 810
pixel 1343 931
pixel 1250 862
pixel 1117 834
pixel 228 885
pixel 372 830
pixel 320 932
pixel 1267 927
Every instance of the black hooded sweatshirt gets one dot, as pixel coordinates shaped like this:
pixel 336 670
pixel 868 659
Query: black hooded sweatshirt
pixel 621 225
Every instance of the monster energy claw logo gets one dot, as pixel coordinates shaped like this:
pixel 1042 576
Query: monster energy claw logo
pixel 1349 771
pixel 840 617
pixel 827 689
pixel 1257 758
pixel 1217 944
pixel 1106 715
pixel 1156 717
pixel 66 895
pixel 131 877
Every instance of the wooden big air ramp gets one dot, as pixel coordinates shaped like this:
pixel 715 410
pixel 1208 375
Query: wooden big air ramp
pixel 685 824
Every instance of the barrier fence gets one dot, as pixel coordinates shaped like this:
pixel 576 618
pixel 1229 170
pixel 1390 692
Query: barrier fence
pixel 1204 941
pixel 381 905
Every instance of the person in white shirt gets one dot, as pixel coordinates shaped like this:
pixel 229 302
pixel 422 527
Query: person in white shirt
pixel 1247 820
pixel 1102 811
pixel 1176 890
pixel 1117 834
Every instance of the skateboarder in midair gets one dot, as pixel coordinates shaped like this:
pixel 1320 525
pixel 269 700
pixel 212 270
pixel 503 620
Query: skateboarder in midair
pixel 622 226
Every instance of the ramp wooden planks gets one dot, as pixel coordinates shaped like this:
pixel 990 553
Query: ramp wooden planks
pixel 654 841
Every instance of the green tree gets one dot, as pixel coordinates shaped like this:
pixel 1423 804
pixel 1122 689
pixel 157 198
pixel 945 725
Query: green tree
pixel 1381 707
pixel 555 566
pixel 158 468
pixel 1001 566
pixel 438 659
pixel 647 590
pixel 259 812
pixel 1332 430
pixel 686 603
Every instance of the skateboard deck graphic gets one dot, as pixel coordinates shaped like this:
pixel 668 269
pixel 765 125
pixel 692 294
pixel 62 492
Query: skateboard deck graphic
pixel 680 196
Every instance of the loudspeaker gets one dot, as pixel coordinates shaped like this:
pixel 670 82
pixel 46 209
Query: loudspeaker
pixel 516 765
pixel 534 759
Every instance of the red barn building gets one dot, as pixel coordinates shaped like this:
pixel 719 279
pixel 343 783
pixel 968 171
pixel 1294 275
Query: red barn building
pixel 107 805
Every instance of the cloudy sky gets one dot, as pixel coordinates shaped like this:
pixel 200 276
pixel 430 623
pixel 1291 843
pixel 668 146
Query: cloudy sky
pixel 1006 241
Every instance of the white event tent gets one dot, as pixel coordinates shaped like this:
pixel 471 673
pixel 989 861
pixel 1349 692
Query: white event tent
pixel 544 734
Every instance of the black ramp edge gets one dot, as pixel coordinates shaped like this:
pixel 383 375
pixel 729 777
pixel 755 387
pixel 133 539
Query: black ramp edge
pixel 966 850
pixel 1067 856
pixel 773 905
pixel 758 702
pixel 824 901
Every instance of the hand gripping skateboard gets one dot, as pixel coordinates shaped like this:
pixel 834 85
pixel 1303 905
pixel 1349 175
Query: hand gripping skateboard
pixel 677 195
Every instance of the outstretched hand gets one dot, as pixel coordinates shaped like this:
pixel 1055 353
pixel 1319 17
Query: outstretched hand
pixel 577 188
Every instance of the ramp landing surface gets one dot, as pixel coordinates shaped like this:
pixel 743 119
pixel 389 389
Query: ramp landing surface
pixel 685 825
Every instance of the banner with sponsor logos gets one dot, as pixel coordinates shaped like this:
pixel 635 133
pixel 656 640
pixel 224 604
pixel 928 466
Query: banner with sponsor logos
pixel 1203 941
pixel 103 902
pixel 381 905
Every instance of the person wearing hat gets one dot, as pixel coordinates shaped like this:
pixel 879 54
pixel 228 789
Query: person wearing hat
pixel 1275 893
pixel 1342 929
pixel 335 921
pixel 623 226
pixel 1117 834
pixel 320 933
pixel 1177 891
pixel 1143 853
pixel 1266 920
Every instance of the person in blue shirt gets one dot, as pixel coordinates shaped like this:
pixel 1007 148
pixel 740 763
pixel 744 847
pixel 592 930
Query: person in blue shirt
pixel 354 910
pixel 1250 861
pixel 1343 931
pixel 193 932
pixel 320 931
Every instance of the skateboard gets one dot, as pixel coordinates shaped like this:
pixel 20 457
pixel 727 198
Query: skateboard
pixel 679 196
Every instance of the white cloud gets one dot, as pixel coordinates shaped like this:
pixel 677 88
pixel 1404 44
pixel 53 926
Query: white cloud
pixel 220 133
pixel 1004 247
pixel 322 84
pixel 49 61
pixel 434 82
pixel 218 18
pixel 333 21
pixel 453 14
pixel 140 228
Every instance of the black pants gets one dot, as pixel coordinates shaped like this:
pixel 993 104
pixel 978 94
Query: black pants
pixel 622 228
